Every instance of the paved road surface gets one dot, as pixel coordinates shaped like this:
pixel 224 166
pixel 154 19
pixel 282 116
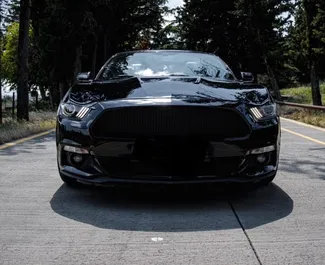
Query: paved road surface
pixel 44 222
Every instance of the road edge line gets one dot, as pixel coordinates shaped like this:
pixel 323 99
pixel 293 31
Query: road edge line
pixel 304 136
pixel 304 124
pixel 25 139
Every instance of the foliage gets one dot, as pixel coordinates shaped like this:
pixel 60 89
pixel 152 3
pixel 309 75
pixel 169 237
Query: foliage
pixel 302 94
pixel 241 32
pixel 10 55
pixel 313 117
pixel 12 130
pixel 248 34
pixel 71 38
pixel 296 46
pixel 12 11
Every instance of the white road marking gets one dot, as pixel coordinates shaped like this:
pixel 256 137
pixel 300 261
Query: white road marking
pixel 156 239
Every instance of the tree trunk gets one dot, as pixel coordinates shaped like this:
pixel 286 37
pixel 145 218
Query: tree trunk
pixel 56 95
pixel 274 83
pixel 310 13
pixel 43 92
pixel 62 89
pixel 270 72
pixel 51 89
pixel 22 91
pixel 315 88
pixel 52 101
pixel 255 77
pixel 271 75
pixel 261 43
pixel 94 59
pixel 105 48
pixel 77 63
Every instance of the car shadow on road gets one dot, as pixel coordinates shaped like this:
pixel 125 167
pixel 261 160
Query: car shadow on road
pixel 171 210
pixel 28 146
pixel 314 168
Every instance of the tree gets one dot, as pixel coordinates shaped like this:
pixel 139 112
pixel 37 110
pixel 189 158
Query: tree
pixel 70 38
pixel 265 23
pixel 10 57
pixel 170 37
pixel 247 34
pixel 295 47
pixel 13 11
pixel 314 14
pixel 23 43
pixel 2 17
pixel 1 43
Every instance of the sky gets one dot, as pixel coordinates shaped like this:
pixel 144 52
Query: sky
pixel 175 3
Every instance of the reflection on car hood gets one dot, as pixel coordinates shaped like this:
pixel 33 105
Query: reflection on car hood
pixel 187 90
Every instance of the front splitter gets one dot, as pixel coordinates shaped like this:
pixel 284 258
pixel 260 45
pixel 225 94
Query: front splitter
pixel 110 181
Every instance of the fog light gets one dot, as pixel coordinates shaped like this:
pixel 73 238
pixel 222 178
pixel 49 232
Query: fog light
pixel 77 158
pixel 262 150
pixel 261 159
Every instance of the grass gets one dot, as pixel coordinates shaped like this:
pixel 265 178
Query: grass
pixel 302 95
pixel 12 130
pixel 312 117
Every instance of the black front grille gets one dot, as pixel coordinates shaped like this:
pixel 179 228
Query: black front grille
pixel 169 121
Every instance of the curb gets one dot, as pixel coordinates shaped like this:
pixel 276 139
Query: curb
pixel 22 140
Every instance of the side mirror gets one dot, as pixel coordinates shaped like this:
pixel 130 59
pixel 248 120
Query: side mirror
pixel 247 77
pixel 83 76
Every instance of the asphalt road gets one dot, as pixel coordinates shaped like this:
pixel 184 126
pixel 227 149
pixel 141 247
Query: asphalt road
pixel 44 222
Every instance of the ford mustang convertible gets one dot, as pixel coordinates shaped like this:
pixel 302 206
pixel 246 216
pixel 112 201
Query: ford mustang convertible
pixel 167 117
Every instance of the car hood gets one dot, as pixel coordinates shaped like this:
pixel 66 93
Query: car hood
pixel 180 90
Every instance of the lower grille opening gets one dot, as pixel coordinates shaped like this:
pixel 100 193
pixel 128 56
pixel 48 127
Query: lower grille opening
pixel 162 168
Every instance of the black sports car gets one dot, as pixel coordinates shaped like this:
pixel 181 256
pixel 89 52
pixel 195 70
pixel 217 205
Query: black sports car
pixel 167 117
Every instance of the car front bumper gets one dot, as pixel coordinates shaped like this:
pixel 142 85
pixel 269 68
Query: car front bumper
pixel 166 180
pixel 130 161
pixel 224 163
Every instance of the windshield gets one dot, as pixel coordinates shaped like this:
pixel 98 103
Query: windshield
pixel 160 64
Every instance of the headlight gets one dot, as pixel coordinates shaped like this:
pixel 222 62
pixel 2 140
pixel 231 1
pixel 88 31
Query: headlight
pixel 68 109
pixel 71 110
pixel 264 112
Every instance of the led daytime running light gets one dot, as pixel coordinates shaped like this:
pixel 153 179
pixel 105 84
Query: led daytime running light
pixel 83 112
pixel 257 113
pixel 264 112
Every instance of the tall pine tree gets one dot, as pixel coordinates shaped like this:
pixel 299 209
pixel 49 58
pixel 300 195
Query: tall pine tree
pixel 242 32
